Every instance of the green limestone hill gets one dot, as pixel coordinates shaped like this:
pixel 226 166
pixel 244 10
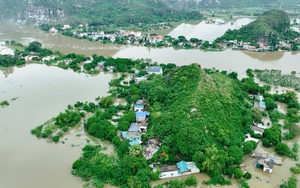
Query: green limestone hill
pixel 197 115
pixel 269 28
pixel 119 12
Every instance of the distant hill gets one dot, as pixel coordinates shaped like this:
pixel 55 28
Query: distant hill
pixel 192 4
pixel 272 26
pixel 119 12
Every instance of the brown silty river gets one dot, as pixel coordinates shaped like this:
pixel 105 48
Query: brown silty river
pixel 42 92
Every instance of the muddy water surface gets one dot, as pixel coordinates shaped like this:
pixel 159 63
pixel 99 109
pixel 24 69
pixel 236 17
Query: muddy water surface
pixel 41 92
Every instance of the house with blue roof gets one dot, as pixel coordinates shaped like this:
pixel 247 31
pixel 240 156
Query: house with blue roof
pixel 134 138
pixel 155 70
pixel 260 103
pixel 142 116
pixel 133 134
pixel 138 107
pixel 180 169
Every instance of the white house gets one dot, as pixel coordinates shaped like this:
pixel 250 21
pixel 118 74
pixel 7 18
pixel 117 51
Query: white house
pixel 180 169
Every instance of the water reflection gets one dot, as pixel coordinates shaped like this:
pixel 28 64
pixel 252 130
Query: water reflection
pixel 7 70
pixel 265 56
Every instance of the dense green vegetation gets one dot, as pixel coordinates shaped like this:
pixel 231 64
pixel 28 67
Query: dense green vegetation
pixel 291 183
pixel 179 183
pixel 206 135
pixel 9 61
pixel 99 12
pixel 272 26
pixel 98 169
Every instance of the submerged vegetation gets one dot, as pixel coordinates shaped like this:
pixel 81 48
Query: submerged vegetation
pixel 276 78
pixel 4 103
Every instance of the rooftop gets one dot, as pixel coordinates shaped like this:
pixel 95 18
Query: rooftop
pixel 133 127
pixel 182 167
pixel 155 69
pixel 168 168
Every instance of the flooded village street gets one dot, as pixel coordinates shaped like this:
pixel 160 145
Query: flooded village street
pixel 41 92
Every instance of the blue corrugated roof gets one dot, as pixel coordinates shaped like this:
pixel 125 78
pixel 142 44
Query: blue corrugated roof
pixel 129 137
pixel 134 142
pixel 154 69
pixel 140 114
pixel 124 134
pixel 133 127
pixel 182 167
pixel 262 104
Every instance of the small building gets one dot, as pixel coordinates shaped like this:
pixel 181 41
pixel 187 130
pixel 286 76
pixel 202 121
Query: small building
pixel 138 107
pixel 66 26
pixel 266 163
pixel 139 79
pixel 53 30
pixel 31 57
pixel 133 137
pixel 249 138
pixel 155 70
pixel 142 116
pixel 180 169
pixel 101 64
pixel 260 103
pixel 133 134
pixel 140 101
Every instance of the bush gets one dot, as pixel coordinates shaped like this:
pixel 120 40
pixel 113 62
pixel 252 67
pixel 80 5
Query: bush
pixel 249 147
pixel 37 131
pixel 191 181
pixel 238 173
pixel 282 149
pixel 55 138
pixel 247 176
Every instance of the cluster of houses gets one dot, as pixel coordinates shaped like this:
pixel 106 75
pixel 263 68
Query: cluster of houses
pixel 240 45
pixel 55 30
pixel 138 128
pixel 264 161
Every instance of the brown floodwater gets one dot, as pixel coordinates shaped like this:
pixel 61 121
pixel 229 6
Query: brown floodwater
pixel 42 92
pixel 207 31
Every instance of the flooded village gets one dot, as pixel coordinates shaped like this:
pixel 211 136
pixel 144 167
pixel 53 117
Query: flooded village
pixel 267 168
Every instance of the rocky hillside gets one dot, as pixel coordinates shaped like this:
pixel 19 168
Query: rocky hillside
pixel 117 12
